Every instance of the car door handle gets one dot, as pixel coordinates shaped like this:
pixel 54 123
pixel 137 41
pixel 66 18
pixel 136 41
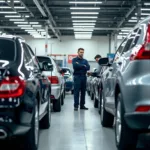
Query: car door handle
pixel 110 69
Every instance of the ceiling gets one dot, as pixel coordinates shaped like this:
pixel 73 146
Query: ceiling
pixel 109 16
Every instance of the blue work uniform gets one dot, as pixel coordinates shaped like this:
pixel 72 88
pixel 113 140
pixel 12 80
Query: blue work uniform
pixel 80 66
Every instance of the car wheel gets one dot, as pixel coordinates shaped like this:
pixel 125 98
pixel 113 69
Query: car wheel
pixel 92 96
pixel 125 137
pixel 46 120
pixel 107 119
pixel 31 139
pixel 57 105
pixel 88 92
pixel 100 101
pixel 64 93
pixel 62 99
pixel 95 102
pixel 72 92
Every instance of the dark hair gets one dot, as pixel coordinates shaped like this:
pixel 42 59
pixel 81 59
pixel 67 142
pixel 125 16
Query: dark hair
pixel 80 49
pixel 97 56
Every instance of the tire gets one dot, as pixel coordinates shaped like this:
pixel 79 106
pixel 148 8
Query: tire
pixel 46 120
pixel 107 119
pixel 88 93
pixel 72 92
pixel 100 100
pixel 57 105
pixel 31 140
pixel 95 102
pixel 62 99
pixel 92 96
pixel 127 139
pixel 64 93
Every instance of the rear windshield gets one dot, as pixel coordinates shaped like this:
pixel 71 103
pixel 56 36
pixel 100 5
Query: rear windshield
pixel 7 50
pixel 67 71
pixel 42 59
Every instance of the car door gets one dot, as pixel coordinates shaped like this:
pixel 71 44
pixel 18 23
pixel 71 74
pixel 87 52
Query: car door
pixel 43 80
pixel 109 78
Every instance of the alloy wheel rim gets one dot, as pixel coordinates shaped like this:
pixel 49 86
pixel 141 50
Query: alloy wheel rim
pixel 118 123
pixel 36 125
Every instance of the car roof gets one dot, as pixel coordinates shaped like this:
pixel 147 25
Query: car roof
pixel 12 37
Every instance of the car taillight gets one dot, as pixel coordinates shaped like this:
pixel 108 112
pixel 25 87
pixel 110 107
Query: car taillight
pixel 54 79
pixel 143 109
pixel 12 87
pixel 144 51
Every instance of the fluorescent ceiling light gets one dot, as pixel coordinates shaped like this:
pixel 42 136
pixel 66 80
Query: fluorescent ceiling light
pixel 85 2
pixel 85 13
pixel 84 24
pixel 3 1
pixel 20 22
pixel 8 12
pixel 143 14
pixel 26 28
pixel 34 22
pixel 16 16
pixel 40 30
pixel 86 17
pixel 83 20
pixel 8 7
pixel 136 18
pixel 146 3
pixel 85 8
pixel 36 25
pixel 126 30
pixel 79 29
pixel 16 19
pixel 22 25
pixel 80 36
pixel 123 33
pixel 82 32
pixel 133 20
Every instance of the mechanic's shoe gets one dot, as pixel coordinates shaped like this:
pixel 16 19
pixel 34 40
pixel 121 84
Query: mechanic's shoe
pixel 84 108
pixel 75 108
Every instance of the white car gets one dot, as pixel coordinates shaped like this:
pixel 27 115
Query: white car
pixel 57 81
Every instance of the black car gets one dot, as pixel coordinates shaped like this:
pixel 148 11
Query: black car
pixel 24 93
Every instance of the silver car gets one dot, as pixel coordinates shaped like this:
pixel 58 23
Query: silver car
pixel 57 82
pixel 126 88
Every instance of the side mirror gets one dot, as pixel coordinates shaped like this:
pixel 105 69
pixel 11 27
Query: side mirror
pixel 103 61
pixel 46 66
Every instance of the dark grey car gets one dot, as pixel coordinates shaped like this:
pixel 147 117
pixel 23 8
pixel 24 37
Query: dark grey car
pixel 126 88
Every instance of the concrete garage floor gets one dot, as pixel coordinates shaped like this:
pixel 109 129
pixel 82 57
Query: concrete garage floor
pixel 72 130
pixel 77 130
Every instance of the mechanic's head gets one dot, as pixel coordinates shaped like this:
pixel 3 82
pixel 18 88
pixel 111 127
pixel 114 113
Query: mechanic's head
pixel 97 57
pixel 80 52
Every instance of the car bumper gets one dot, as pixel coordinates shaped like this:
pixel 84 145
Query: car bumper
pixel 14 130
pixel 55 94
pixel 138 121
pixel 69 86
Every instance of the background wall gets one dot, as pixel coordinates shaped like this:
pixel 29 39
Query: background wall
pixel 68 45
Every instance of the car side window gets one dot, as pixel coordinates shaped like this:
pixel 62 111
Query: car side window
pixel 137 36
pixel 128 44
pixel 35 61
pixel 27 57
pixel 119 51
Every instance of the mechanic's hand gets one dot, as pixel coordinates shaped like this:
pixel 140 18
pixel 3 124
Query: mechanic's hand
pixel 89 73
pixel 77 63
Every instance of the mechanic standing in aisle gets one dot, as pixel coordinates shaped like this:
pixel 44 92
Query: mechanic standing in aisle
pixel 80 66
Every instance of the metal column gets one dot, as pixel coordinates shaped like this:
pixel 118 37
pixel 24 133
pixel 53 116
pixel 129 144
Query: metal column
pixel 139 5
pixel 115 42
pixel 46 40
pixel 109 43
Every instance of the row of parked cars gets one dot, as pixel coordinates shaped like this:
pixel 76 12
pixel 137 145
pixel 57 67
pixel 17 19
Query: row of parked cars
pixel 122 90
pixel 28 87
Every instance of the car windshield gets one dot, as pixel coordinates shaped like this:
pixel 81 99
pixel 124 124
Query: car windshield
pixel 68 72
pixel 7 50
pixel 43 59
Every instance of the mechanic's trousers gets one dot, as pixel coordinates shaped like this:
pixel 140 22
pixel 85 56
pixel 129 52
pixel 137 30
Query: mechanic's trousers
pixel 79 87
